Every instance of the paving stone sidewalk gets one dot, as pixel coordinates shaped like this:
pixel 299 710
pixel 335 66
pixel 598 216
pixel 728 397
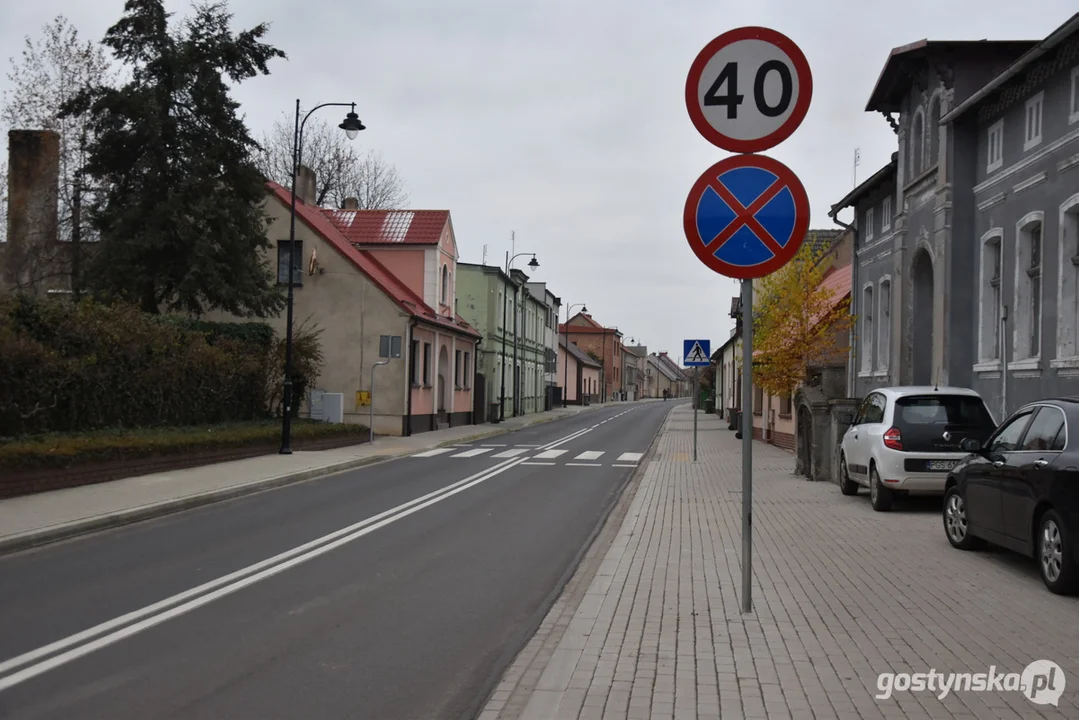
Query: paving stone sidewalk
pixel 651 624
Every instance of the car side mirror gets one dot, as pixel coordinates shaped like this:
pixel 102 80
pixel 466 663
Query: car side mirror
pixel 846 419
pixel 971 445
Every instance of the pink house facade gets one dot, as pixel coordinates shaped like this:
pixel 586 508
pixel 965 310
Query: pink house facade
pixel 378 286
pixel 583 373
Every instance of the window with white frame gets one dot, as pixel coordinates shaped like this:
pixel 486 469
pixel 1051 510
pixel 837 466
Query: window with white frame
pixel 869 224
pixel 995 146
pixel 884 324
pixel 989 297
pixel 445 283
pixel 1033 128
pixel 886 215
pixel 868 336
pixel 1068 291
pixel 1028 288
pixel 933 132
pixel 1073 106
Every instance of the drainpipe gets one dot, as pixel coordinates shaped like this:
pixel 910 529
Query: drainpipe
pixel 852 357
pixel 408 381
pixel 1003 363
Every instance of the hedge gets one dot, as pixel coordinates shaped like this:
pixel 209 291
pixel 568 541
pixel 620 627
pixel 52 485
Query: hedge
pixel 76 367
pixel 58 450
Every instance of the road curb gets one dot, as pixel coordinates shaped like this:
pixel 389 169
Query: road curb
pixel 85 526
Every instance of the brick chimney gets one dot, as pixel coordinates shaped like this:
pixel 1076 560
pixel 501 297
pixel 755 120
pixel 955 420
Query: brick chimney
pixel 351 203
pixel 305 184
pixel 33 218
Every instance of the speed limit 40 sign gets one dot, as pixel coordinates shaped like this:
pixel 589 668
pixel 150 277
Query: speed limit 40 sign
pixel 748 89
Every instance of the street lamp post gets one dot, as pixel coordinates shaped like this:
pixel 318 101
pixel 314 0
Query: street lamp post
pixel 505 299
pixel 352 127
pixel 565 386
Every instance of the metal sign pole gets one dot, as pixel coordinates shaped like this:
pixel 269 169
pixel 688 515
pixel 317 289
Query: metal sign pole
pixel 696 401
pixel 747 445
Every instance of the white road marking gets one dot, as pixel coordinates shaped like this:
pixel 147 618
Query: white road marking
pixel 527 446
pixel 572 464
pixel 625 466
pixel 630 457
pixel 589 455
pixel 472 453
pixel 436 451
pixel 125 626
pixel 529 462
pixel 512 452
pixel 549 454
pixel 494 445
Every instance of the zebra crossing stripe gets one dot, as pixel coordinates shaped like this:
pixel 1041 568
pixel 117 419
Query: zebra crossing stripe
pixel 436 451
pixel 550 454
pixel 589 455
pixel 512 452
pixel 472 453
pixel 630 457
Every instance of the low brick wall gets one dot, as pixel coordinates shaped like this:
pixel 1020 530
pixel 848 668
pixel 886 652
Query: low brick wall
pixel 27 482
pixel 781 440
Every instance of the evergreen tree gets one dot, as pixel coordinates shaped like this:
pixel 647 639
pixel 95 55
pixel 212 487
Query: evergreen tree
pixel 180 216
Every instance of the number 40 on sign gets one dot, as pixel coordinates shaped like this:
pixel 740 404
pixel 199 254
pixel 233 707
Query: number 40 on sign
pixel 748 89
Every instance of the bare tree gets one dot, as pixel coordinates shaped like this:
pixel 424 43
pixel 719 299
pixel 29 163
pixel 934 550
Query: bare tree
pixel 52 70
pixel 340 171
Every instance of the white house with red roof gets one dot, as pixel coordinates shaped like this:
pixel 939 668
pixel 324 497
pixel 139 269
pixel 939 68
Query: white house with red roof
pixel 378 282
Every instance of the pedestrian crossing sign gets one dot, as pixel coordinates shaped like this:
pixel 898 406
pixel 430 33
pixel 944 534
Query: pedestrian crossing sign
pixel 697 353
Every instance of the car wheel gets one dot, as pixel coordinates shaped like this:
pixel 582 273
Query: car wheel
pixel 955 521
pixel 1055 553
pixel 846 485
pixel 879 496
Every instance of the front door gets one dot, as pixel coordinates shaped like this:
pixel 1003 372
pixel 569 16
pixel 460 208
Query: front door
pixel 1029 469
pixel 983 491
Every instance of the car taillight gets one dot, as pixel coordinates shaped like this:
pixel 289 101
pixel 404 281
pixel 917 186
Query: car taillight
pixel 893 439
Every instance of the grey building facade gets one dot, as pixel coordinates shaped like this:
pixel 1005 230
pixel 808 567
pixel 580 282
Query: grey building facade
pixel 912 287
pixel 1017 155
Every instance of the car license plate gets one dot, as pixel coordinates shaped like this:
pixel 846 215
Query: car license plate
pixel 942 464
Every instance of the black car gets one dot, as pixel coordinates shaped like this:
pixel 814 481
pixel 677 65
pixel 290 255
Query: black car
pixel 1020 490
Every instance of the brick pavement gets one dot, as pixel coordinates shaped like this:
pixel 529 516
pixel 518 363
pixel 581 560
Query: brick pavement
pixel 651 626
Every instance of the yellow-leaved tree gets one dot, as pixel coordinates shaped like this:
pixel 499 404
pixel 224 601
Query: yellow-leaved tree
pixel 801 320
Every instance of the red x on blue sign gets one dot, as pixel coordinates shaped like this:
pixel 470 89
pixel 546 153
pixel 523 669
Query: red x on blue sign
pixel 746 216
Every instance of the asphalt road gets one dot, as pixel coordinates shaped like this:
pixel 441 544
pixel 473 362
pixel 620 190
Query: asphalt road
pixel 420 581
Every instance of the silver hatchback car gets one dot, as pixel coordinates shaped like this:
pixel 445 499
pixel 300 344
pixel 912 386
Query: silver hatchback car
pixel 905 440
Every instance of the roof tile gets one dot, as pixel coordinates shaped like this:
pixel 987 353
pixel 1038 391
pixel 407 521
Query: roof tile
pixel 389 227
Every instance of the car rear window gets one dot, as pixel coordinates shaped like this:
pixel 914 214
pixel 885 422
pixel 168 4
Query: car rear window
pixel 963 410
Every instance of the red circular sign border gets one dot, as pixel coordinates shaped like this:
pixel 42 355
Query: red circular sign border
pixel 801 217
pixel 784 131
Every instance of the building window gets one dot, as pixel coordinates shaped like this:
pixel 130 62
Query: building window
pixel 884 325
pixel 1068 303
pixel 445 284
pixel 457 369
pixel 989 297
pixel 886 215
pixel 995 146
pixel 282 262
pixel 1033 133
pixel 917 144
pixel 785 405
pixel 758 400
pixel 413 362
pixel 869 224
pixel 866 343
pixel 427 364
pixel 468 370
pixel 1028 284
pixel 933 131
pixel 1073 115
pixel 500 310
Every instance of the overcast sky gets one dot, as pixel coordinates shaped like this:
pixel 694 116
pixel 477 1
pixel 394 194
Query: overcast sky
pixel 565 120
